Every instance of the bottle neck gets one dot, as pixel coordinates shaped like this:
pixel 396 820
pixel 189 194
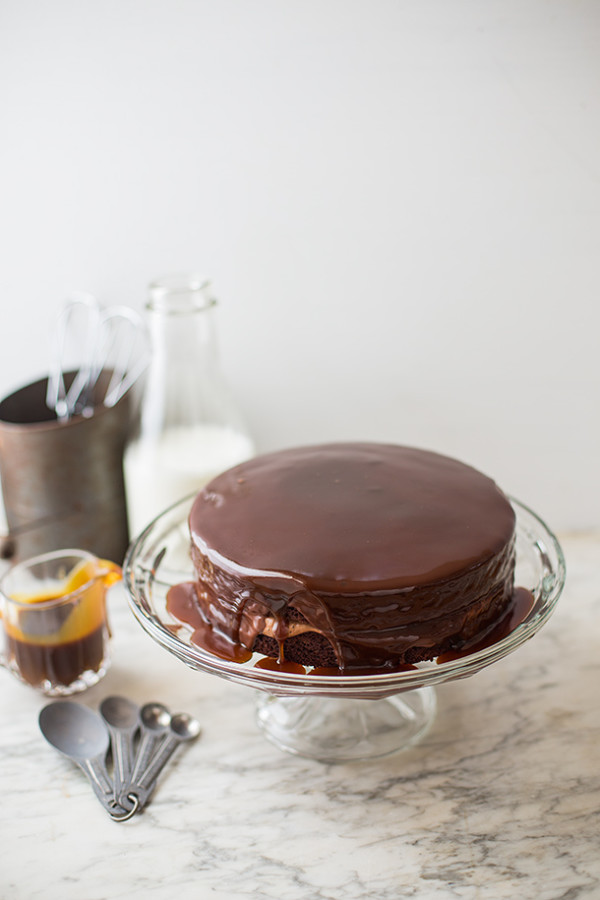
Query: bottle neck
pixel 180 294
pixel 184 385
pixel 180 313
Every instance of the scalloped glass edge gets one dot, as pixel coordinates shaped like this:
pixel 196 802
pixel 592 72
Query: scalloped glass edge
pixel 537 548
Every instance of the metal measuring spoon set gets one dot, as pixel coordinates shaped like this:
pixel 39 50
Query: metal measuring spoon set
pixel 140 741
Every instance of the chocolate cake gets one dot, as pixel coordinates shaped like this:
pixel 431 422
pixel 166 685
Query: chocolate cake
pixel 356 556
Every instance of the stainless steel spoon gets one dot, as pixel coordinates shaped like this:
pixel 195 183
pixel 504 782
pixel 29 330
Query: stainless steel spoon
pixel 81 735
pixel 123 719
pixel 182 728
pixel 155 720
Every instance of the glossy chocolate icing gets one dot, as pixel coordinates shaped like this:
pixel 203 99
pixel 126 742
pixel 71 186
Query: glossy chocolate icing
pixel 389 552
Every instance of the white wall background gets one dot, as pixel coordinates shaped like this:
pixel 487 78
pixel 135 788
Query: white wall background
pixel 398 202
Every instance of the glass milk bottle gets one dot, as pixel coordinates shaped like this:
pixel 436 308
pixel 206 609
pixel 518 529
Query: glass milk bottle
pixel 189 426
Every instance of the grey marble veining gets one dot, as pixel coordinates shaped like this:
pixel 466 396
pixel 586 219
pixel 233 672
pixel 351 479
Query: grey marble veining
pixel 500 800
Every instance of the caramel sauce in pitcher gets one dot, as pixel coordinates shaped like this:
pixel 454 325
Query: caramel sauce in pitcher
pixel 53 638
pixel 57 663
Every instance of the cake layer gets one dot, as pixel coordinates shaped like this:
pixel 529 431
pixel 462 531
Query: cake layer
pixel 387 648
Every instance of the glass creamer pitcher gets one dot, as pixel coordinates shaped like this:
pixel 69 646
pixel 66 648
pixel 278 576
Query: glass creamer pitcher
pixel 190 427
pixel 54 619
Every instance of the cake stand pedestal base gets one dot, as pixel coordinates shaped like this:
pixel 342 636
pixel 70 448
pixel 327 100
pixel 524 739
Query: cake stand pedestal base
pixel 341 729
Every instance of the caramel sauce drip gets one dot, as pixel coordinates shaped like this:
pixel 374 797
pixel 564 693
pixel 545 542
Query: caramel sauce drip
pixel 183 604
pixel 521 604
pixel 280 665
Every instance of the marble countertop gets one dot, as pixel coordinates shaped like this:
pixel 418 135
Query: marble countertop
pixel 501 799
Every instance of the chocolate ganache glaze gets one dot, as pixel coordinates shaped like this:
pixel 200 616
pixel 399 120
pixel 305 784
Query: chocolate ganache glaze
pixel 353 555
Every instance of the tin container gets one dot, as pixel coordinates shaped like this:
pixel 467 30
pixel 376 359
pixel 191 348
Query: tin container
pixel 62 482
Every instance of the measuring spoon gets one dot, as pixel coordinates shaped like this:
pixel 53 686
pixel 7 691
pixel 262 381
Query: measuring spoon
pixel 81 735
pixel 182 728
pixel 155 720
pixel 123 719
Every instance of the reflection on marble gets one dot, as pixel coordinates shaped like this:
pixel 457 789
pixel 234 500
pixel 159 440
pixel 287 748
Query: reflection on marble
pixel 500 800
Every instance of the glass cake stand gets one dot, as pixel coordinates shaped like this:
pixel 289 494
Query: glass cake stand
pixel 332 718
